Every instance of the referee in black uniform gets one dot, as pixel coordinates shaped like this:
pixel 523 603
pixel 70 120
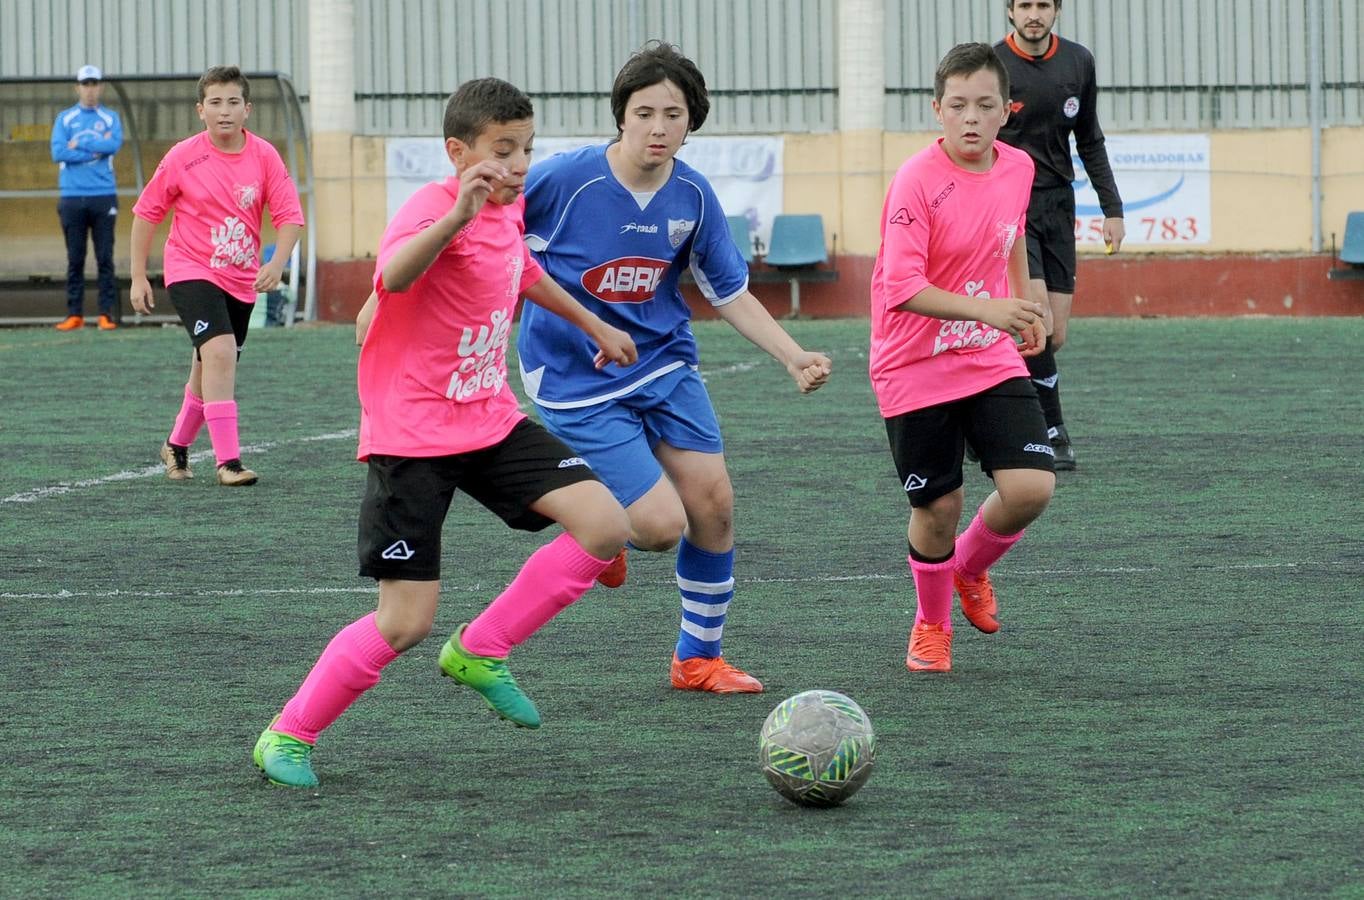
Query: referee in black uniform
pixel 1053 94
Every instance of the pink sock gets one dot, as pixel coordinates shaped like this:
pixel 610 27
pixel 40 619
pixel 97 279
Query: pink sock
pixel 346 669
pixel 554 577
pixel 221 416
pixel 979 548
pixel 933 586
pixel 190 420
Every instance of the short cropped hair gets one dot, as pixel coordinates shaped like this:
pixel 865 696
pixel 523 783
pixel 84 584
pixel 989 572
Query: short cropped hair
pixel 1010 4
pixel 655 63
pixel 224 75
pixel 968 59
pixel 479 103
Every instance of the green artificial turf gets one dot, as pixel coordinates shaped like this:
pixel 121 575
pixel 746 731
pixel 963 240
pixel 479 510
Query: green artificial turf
pixel 1172 706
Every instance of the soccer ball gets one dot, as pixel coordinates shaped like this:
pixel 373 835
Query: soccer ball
pixel 817 748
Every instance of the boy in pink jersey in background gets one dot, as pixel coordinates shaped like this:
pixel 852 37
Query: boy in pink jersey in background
pixel 945 301
pixel 218 183
pixel 437 415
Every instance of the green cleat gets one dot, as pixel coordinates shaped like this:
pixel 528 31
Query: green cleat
pixel 284 759
pixel 490 677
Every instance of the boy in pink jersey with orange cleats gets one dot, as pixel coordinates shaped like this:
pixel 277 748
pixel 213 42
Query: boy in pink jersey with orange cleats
pixel 945 301
pixel 218 183
pixel 437 415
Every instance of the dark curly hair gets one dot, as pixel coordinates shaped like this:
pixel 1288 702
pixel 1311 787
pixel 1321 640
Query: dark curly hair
pixel 654 63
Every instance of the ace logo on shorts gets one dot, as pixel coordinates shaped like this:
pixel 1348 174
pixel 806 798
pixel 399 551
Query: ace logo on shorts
pixel 398 550
pixel 200 327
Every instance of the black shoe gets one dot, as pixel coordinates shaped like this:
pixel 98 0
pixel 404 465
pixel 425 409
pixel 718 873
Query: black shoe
pixel 1065 453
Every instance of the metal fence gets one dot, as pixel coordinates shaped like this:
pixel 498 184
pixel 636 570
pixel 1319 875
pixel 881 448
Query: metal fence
pixel 152 37
pixel 1161 64
pixel 771 64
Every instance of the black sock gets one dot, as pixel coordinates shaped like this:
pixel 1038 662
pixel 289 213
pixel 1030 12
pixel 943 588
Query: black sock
pixel 1042 370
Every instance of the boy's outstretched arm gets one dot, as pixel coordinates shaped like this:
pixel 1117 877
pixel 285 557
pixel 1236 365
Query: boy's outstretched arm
pixel 613 344
pixel 751 319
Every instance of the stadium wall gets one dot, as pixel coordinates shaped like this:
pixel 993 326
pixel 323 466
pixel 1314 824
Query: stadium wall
pixel 1258 261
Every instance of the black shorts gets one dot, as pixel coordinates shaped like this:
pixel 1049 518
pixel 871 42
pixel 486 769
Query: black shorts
pixel 1051 238
pixel 207 311
pixel 1004 424
pixel 407 498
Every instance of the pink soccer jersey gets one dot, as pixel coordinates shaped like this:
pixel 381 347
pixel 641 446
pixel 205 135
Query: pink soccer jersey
pixel 219 199
pixel 948 228
pixel 433 368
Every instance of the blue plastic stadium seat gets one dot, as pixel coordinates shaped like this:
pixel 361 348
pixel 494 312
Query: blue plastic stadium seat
pixel 1352 248
pixel 797 240
pixel 743 237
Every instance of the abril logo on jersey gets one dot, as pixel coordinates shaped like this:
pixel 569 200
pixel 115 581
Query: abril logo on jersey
pixel 627 279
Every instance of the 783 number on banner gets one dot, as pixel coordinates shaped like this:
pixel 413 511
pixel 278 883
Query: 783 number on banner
pixel 1145 230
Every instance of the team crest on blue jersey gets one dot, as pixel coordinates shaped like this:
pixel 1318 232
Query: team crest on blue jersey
pixel 679 230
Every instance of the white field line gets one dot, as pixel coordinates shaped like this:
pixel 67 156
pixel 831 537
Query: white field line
pixel 478 587
pixel 66 487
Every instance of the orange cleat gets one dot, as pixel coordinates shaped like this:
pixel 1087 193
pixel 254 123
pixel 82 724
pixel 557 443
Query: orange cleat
pixel 107 324
pixel 978 601
pixel 613 576
pixel 930 649
pixel 715 675
pixel 71 323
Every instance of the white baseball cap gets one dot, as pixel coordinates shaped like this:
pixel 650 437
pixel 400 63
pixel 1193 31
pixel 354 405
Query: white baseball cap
pixel 89 73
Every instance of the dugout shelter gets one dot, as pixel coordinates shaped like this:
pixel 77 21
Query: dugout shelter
pixel 157 111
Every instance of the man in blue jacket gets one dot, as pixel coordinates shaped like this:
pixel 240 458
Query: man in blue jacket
pixel 84 141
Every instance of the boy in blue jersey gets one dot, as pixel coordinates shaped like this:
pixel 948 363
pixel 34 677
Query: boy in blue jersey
pixel 85 138
pixel 616 225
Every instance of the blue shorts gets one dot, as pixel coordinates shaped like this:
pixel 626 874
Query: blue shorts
pixel 617 438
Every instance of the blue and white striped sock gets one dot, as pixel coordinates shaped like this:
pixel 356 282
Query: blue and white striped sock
pixel 706 582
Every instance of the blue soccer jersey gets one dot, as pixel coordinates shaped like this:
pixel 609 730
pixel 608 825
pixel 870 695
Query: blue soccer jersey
pixel 622 261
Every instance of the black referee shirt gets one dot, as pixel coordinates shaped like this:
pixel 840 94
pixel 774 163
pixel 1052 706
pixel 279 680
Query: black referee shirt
pixel 1050 96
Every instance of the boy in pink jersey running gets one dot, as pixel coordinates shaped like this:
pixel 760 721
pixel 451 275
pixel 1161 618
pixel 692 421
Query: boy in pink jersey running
pixel 437 415
pixel 218 183
pixel 944 303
